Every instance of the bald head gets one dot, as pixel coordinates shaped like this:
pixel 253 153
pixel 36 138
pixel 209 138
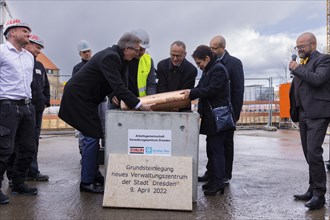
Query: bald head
pixel 306 44
pixel 307 36
pixel 218 45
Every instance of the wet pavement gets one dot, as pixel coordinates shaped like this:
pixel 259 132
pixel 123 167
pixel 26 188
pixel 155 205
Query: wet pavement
pixel 269 168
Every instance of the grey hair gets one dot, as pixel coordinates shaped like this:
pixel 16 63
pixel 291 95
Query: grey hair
pixel 128 40
pixel 179 43
pixel 222 41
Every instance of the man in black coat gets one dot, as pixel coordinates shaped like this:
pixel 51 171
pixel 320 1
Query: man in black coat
pixel 236 76
pixel 85 52
pixel 40 99
pixel 101 75
pixel 176 73
pixel 310 105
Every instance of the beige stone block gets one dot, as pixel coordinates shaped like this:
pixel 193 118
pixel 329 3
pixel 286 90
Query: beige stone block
pixel 150 182
pixel 167 101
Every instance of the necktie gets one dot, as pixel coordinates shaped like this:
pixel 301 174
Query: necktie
pixel 303 61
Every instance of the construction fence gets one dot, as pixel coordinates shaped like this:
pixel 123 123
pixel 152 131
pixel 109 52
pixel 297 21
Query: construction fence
pixel 261 106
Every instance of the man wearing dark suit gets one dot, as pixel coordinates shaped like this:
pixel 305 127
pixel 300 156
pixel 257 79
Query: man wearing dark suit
pixel 236 76
pixel 176 73
pixel 310 105
pixel 101 75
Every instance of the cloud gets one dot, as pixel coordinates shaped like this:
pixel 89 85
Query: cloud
pixel 260 33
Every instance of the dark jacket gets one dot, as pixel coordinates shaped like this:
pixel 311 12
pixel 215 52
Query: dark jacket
pixel 100 76
pixel 172 78
pixel 212 88
pixel 236 75
pixel 40 87
pixel 77 67
pixel 312 82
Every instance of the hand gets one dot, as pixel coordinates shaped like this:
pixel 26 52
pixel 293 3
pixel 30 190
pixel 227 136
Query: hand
pixel 115 100
pixel 186 93
pixel 293 65
pixel 123 106
pixel 146 107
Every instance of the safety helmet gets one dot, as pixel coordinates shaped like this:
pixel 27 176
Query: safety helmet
pixel 83 45
pixel 36 39
pixel 15 22
pixel 143 36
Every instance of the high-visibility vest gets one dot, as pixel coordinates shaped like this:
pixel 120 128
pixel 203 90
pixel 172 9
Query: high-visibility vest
pixel 143 72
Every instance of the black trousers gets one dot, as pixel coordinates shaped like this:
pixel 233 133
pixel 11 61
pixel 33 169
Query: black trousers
pixel 229 153
pixel 228 142
pixel 216 158
pixel 17 133
pixel 34 167
pixel 312 134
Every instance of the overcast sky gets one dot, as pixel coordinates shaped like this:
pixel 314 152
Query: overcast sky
pixel 260 33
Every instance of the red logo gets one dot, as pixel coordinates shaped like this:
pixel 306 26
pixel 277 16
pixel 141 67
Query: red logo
pixel 136 150
pixel 13 21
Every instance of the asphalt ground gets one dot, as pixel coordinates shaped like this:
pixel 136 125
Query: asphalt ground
pixel 269 168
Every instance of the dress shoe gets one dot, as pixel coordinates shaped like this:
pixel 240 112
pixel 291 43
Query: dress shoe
pixel 214 189
pixel 37 177
pixel 207 185
pixel 99 180
pixel 305 197
pixel 24 189
pixel 3 198
pixel 91 187
pixel 316 202
pixel 203 178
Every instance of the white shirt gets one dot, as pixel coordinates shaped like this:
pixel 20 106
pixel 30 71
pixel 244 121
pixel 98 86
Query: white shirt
pixel 16 72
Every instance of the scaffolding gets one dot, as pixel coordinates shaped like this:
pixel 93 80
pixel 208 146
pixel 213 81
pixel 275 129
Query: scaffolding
pixel 4 14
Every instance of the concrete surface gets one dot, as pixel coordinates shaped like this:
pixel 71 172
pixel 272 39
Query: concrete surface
pixel 269 168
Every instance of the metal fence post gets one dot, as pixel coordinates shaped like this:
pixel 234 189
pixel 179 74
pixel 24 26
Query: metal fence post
pixel 270 101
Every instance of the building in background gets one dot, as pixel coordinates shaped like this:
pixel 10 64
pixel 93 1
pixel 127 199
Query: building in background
pixel 53 73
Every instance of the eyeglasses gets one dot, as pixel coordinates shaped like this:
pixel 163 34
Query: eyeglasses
pixel 178 56
pixel 133 48
pixel 214 48
pixel 300 47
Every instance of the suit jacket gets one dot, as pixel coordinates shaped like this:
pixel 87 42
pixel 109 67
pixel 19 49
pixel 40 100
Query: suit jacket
pixel 312 82
pixel 100 76
pixel 77 67
pixel 212 89
pixel 40 87
pixel 236 75
pixel 172 78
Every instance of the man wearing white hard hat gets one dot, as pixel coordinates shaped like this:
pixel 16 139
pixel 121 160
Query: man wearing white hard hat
pixel 85 52
pixel 40 99
pixel 17 116
pixel 141 77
